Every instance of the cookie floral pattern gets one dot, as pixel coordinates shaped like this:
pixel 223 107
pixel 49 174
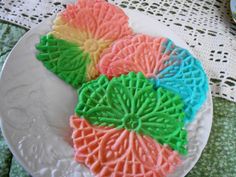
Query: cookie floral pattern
pixel 88 27
pixel 93 25
pixel 119 152
pixel 63 58
pixel 130 102
pixel 139 53
pixel 186 77
pixel 160 60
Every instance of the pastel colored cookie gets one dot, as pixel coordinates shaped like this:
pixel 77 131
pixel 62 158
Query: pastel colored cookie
pixel 63 58
pixel 118 152
pixel 164 63
pixel 89 25
pixel 130 102
pixel 186 77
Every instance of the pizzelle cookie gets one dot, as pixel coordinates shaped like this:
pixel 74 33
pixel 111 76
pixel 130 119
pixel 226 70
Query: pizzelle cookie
pixel 119 152
pixel 79 35
pixel 124 127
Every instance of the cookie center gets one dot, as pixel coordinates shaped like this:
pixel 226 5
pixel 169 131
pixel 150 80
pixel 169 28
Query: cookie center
pixel 131 122
pixel 91 45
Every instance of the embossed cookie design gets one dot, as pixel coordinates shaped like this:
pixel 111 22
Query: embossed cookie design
pixel 160 60
pixel 79 34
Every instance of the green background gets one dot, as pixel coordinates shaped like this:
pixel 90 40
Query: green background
pixel 218 158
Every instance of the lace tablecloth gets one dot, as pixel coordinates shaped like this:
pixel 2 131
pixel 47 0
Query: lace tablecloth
pixel 206 26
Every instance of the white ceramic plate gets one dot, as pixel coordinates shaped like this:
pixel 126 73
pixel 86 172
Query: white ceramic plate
pixel 35 107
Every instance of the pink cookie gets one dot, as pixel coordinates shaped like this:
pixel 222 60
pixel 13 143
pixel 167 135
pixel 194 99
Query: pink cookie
pixel 121 153
pixel 138 53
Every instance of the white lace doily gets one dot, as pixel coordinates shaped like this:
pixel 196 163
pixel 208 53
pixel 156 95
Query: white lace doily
pixel 206 26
